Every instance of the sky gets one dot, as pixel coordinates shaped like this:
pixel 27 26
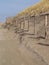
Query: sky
pixel 12 7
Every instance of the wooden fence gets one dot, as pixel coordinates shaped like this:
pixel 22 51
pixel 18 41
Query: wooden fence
pixel 36 25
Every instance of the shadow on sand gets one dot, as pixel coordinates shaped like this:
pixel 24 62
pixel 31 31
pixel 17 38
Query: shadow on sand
pixel 43 44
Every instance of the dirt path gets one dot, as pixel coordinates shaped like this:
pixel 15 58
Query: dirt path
pixel 12 53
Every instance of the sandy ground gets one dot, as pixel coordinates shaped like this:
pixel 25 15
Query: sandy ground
pixel 29 52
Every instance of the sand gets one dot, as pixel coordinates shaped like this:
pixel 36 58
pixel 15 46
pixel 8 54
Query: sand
pixel 29 52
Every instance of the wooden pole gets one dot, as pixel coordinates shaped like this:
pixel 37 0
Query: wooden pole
pixel 34 25
pixel 46 26
pixel 29 22
pixel 24 22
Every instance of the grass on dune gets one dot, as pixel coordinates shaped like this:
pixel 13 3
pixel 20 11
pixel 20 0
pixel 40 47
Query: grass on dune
pixel 41 6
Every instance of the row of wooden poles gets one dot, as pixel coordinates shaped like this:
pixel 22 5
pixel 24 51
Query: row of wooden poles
pixel 22 31
pixel 45 22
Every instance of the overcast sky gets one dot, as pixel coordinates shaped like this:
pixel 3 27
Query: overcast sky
pixel 12 7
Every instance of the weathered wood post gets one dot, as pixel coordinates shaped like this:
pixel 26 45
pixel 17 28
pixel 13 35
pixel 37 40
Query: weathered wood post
pixel 16 25
pixel 26 24
pixel 46 26
pixel 34 24
pixel 21 33
pixel 33 16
